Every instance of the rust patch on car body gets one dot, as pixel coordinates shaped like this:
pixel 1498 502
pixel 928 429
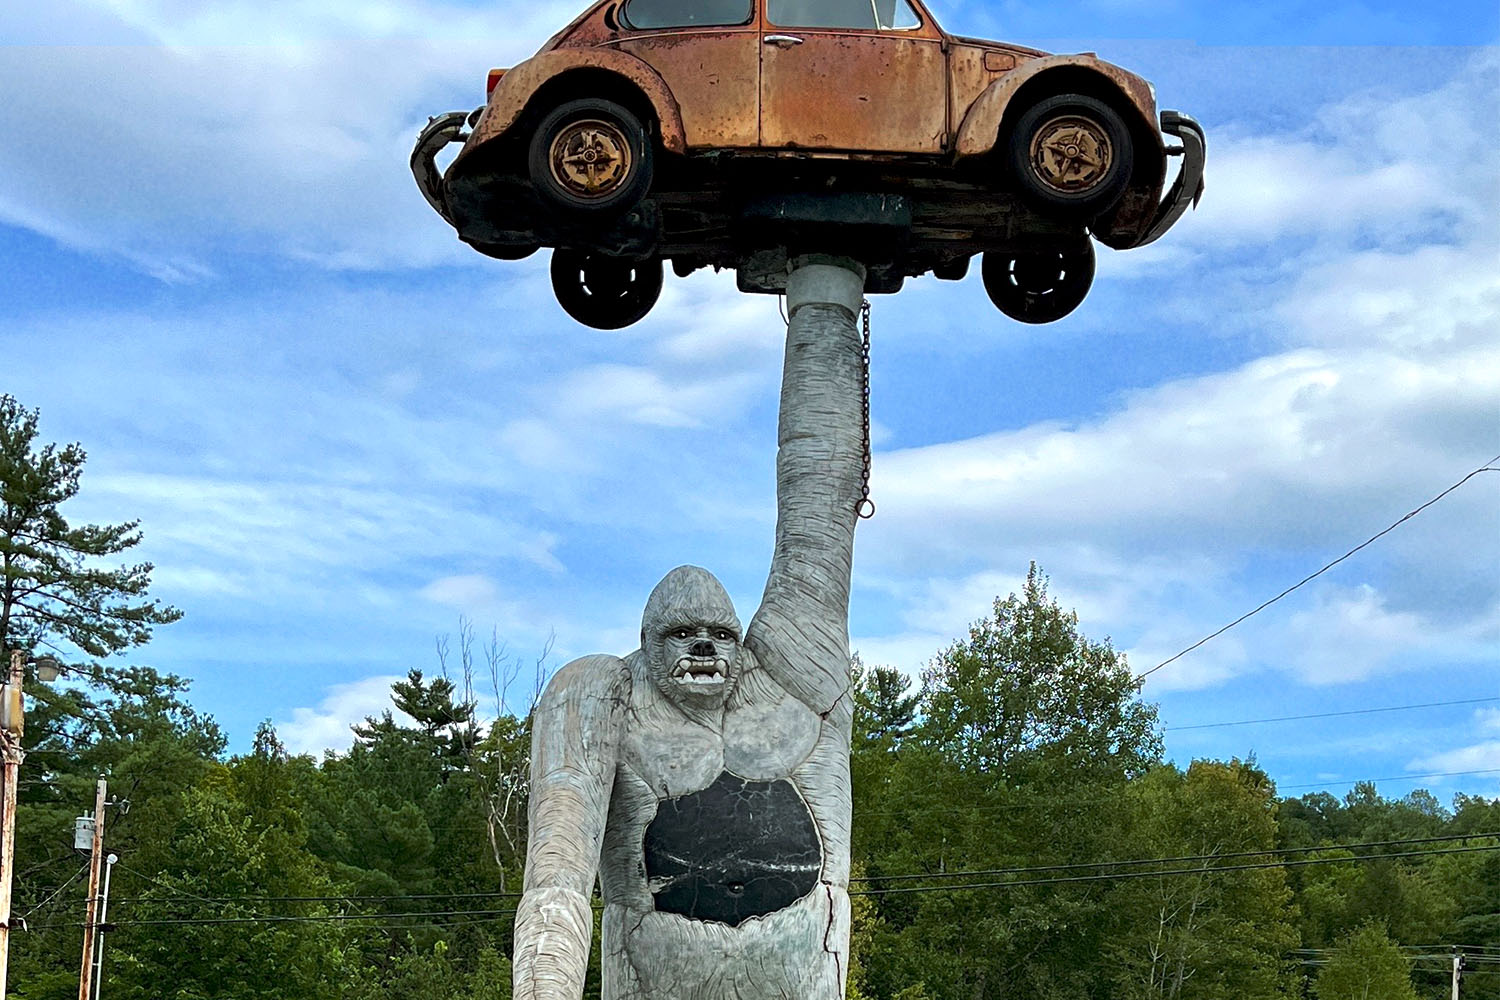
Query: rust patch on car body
pixel 980 130
pixel 714 73
pixel 857 91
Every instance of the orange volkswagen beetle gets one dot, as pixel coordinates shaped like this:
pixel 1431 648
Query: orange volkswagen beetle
pixel 740 133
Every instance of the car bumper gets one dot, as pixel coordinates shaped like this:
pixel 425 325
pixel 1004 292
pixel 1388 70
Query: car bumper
pixel 440 131
pixel 1188 188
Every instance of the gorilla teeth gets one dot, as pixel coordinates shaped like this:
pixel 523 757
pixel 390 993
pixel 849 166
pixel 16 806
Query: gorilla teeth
pixel 713 678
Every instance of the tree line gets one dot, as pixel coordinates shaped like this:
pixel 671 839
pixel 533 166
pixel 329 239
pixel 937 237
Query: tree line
pixel 1018 831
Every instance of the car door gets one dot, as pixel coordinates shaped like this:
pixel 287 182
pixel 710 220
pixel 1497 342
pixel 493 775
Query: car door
pixel 708 53
pixel 851 75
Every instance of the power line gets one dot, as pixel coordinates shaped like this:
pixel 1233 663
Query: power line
pixel 1330 715
pixel 1105 877
pixel 55 893
pixel 1054 802
pixel 1449 838
pixel 423 914
pixel 1487 467
pixel 1394 777
pixel 357 898
pixel 1206 870
pixel 345 898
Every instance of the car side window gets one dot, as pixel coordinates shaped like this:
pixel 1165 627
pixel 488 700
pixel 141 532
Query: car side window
pixel 685 13
pixel 866 14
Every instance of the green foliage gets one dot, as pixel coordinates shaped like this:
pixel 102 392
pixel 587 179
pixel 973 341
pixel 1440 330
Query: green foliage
pixel 53 592
pixel 1026 745
pixel 1366 965
pixel 1214 936
pixel 1027 691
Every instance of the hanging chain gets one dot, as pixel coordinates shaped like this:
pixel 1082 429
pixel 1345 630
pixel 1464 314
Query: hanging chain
pixel 865 508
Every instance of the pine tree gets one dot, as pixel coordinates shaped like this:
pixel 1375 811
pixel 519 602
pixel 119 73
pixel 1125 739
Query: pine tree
pixel 54 594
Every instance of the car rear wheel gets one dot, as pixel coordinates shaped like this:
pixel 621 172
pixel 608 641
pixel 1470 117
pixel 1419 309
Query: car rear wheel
pixel 590 157
pixel 1039 286
pixel 1071 156
pixel 606 293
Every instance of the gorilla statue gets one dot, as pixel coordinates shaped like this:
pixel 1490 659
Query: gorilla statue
pixel 704 779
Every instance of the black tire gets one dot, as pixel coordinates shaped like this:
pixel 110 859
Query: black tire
pixel 1039 286
pixel 506 251
pixel 1071 156
pixel 606 293
pixel 590 157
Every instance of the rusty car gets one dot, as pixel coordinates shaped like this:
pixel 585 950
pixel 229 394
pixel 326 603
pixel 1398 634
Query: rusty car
pixel 743 133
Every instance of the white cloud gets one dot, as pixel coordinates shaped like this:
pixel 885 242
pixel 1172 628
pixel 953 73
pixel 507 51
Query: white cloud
pixel 1366 167
pixel 327 726
pixel 1349 635
pixel 1488 720
pixel 1479 757
pixel 232 129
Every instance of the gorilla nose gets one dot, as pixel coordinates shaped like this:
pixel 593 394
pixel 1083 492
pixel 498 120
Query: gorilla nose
pixel 702 648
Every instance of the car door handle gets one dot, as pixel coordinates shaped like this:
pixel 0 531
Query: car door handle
pixel 784 41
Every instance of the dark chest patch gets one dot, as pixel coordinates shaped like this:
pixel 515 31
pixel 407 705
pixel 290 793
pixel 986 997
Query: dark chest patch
pixel 735 850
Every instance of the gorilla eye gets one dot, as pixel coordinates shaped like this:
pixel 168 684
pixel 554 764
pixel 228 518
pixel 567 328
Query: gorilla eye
pixel 724 635
pixel 681 633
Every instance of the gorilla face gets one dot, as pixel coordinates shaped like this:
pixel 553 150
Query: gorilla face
pixel 699 655
pixel 690 636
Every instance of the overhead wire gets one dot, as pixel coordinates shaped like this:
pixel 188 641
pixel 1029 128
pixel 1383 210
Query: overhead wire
pixel 1487 467
pixel 1206 870
pixel 1073 866
pixel 1331 715
pixel 55 893
pixel 356 897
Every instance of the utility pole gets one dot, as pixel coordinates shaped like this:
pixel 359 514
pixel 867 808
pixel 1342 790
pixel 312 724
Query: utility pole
pixel 90 926
pixel 10 748
pixel 1458 970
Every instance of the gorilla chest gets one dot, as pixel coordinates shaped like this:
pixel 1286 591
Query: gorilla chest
pixel 761 741
pixel 734 850
pixel 727 833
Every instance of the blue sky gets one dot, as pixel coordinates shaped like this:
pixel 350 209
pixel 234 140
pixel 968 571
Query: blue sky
pixel 344 431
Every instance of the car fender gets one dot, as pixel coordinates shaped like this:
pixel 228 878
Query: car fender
pixel 980 130
pixel 521 83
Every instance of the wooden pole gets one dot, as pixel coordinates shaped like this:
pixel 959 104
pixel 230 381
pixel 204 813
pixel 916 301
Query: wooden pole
pixel 10 737
pixel 90 925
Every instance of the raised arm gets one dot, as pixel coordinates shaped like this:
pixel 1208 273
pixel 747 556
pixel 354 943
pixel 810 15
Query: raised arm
pixel 801 632
pixel 575 741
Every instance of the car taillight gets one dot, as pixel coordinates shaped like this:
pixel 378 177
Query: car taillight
pixel 492 81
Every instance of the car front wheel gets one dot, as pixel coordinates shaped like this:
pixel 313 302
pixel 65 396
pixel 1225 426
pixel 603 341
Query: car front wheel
pixel 590 157
pixel 1071 156
pixel 606 293
pixel 1039 286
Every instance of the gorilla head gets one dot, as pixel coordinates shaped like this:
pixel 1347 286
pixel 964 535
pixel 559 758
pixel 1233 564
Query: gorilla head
pixel 690 637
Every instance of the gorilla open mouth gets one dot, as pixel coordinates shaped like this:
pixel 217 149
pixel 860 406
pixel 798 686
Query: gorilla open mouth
pixel 701 671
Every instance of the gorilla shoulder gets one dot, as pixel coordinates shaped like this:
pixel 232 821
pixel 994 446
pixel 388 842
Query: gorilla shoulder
pixel 597 684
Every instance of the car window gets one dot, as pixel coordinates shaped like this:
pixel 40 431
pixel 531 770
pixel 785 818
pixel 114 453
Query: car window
pixel 867 14
pixel 685 13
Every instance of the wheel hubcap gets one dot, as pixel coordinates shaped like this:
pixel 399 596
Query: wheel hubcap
pixel 590 158
pixel 1071 153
